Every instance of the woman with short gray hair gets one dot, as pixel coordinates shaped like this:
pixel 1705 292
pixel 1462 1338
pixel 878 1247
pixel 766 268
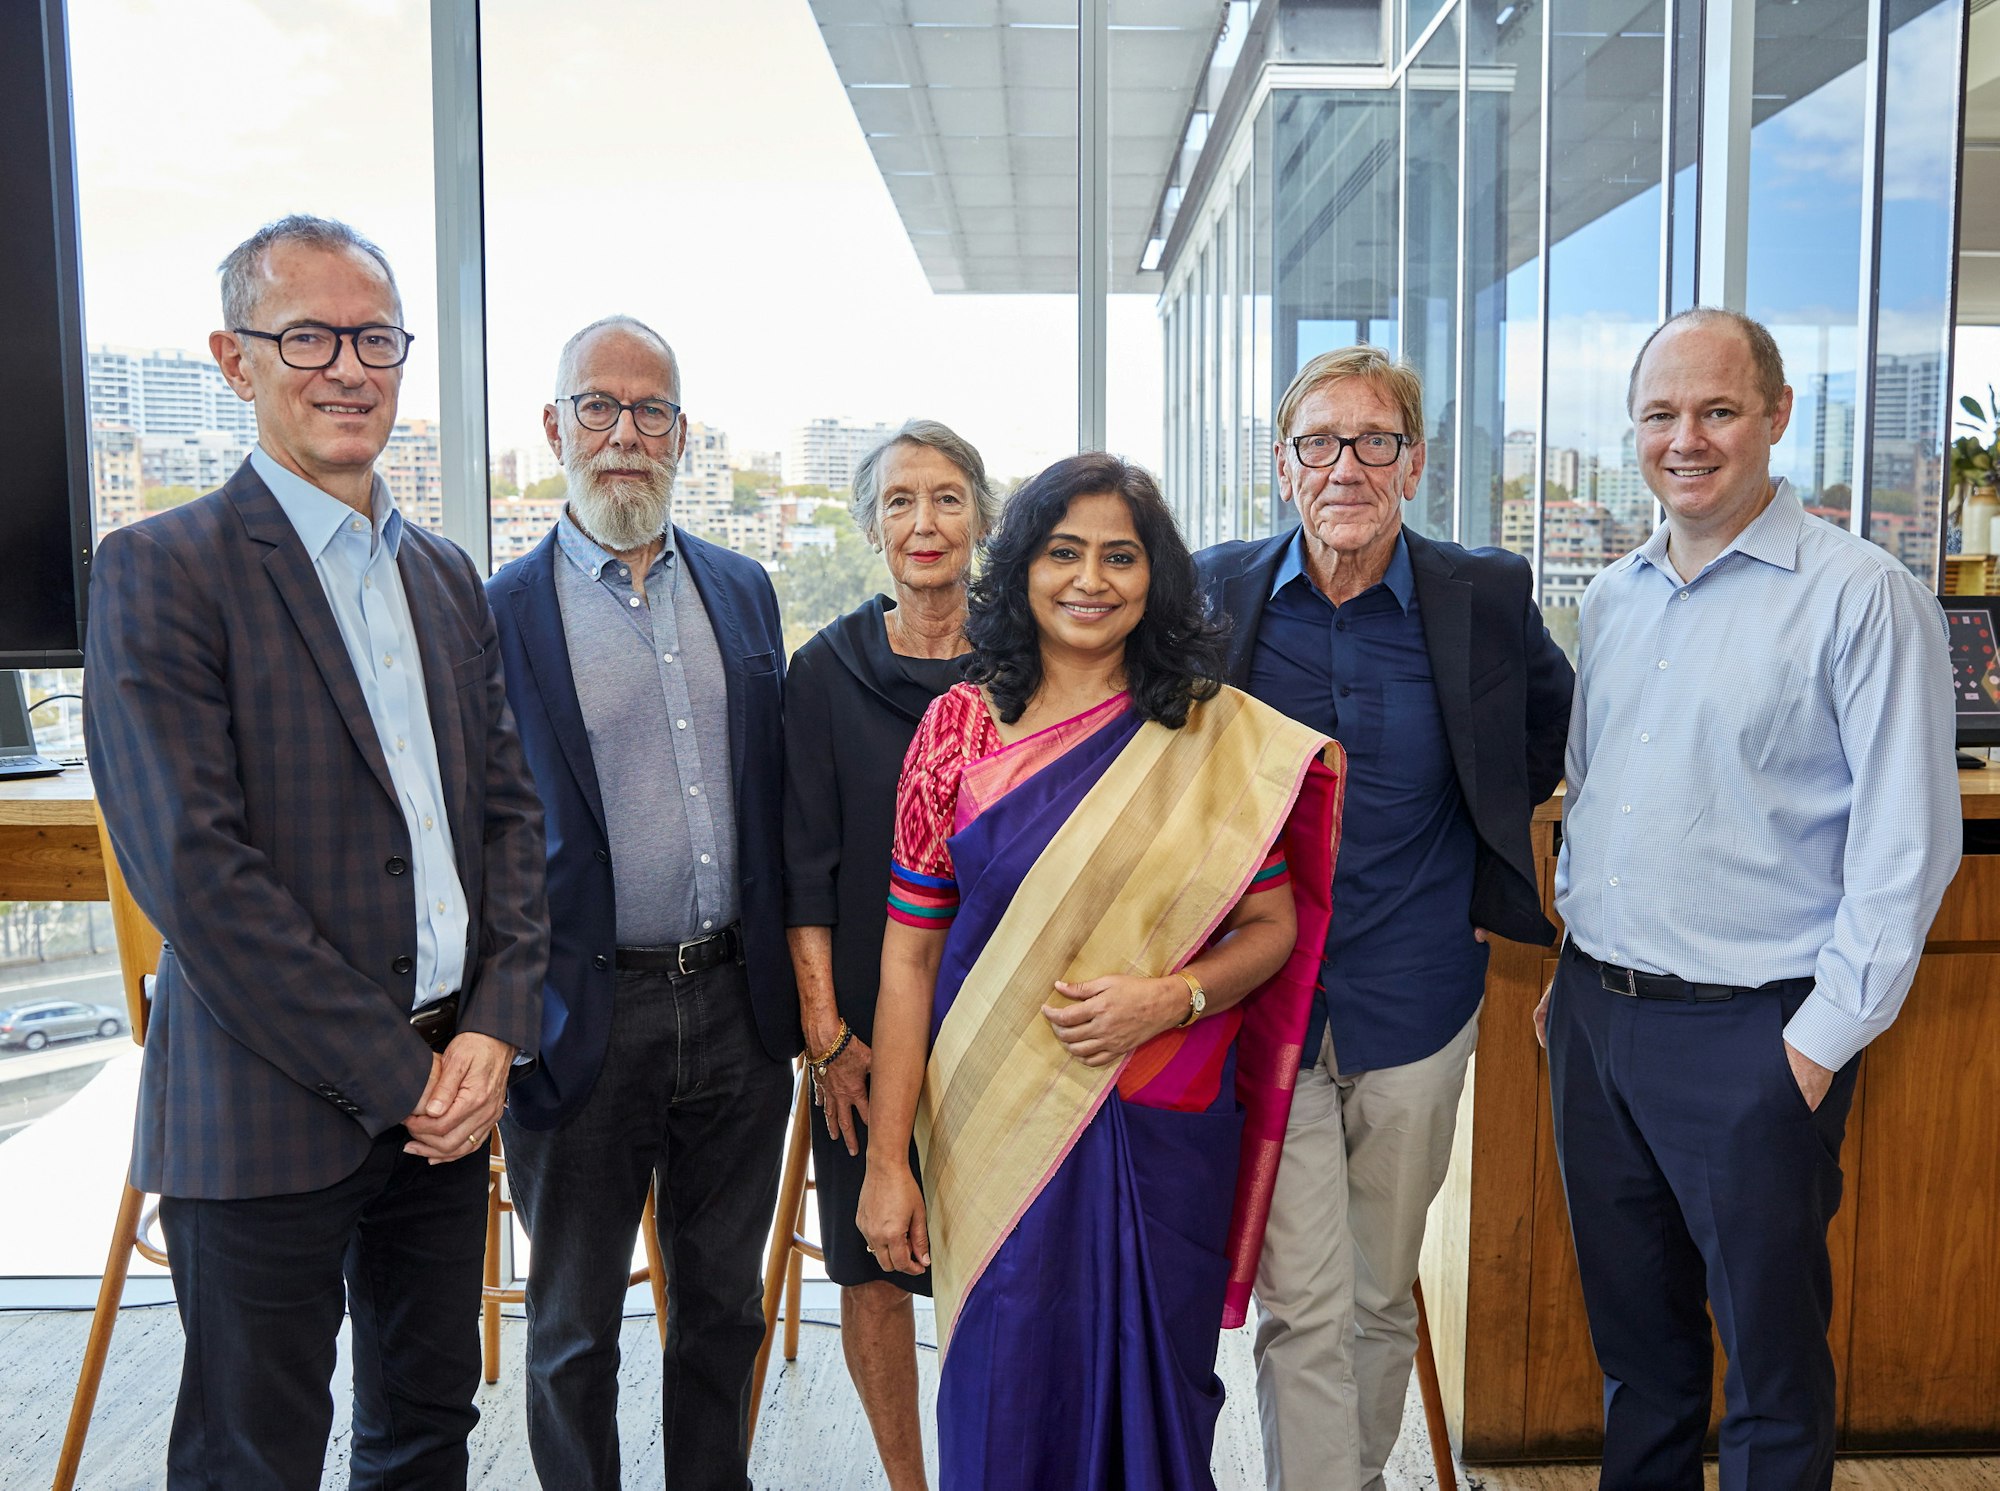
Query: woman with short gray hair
pixel 853 697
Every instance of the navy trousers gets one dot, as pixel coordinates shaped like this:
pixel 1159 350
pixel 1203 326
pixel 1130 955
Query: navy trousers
pixel 261 1284
pixel 687 1094
pixel 1697 1176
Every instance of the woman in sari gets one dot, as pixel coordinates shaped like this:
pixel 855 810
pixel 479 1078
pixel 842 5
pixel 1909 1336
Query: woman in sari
pixel 1107 898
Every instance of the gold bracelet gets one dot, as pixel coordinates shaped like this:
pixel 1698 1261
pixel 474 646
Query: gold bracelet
pixel 1197 1000
pixel 840 1040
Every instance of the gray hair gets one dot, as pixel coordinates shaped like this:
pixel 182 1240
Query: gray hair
pixel 240 270
pixel 1765 357
pixel 573 348
pixel 866 502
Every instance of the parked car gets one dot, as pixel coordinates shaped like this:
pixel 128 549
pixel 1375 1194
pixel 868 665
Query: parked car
pixel 33 1026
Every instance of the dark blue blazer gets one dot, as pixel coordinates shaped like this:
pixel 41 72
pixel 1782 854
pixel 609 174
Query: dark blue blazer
pixel 257 825
pixel 583 913
pixel 1503 686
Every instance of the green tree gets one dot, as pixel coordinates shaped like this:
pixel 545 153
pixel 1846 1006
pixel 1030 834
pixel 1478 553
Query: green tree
pixel 747 483
pixel 548 489
pixel 157 499
pixel 499 486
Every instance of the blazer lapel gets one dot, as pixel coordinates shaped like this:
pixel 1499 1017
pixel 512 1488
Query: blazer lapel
pixel 298 584
pixel 721 608
pixel 538 615
pixel 1242 597
pixel 433 624
pixel 1445 603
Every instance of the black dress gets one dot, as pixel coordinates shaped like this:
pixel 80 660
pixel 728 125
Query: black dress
pixel 851 707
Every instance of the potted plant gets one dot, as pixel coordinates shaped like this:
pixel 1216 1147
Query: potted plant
pixel 1975 474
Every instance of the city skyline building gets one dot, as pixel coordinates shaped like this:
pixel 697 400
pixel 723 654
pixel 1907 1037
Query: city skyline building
pixel 825 451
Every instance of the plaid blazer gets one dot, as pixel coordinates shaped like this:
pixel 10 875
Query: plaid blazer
pixel 254 817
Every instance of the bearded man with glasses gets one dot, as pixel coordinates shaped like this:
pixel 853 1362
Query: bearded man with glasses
pixel 646 667
pixel 299 732
pixel 1431 665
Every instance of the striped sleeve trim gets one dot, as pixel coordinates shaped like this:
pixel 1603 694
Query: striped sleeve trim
pixel 1275 872
pixel 924 901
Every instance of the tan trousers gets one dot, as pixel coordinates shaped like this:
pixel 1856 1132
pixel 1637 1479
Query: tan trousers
pixel 1336 1320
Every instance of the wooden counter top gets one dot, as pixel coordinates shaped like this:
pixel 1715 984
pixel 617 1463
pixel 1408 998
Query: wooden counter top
pixel 64 801
pixel 48 839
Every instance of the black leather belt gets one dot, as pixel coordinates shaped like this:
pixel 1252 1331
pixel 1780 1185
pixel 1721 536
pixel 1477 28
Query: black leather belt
pixel 697 956
pixel 437 1022
pixel 1636 985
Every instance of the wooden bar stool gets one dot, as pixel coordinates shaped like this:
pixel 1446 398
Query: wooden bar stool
pixel 784 1270
pixel 139 944
pixel 493 1294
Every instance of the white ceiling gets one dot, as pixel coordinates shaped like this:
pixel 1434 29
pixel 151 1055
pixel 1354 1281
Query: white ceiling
pixel 970 109
pixel 1979 186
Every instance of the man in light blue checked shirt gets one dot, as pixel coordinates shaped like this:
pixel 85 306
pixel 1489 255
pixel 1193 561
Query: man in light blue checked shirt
pixel 1762 817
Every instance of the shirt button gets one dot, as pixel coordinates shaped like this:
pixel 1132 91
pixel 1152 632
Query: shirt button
pixel 427 821
pixel 1684 595
pixel 694 792
pixel 680 724
pixel 706 925
pixel 632 600
pixel 440 905
pixel 388 659
pixel 1614 879
pixel 1663 665
pixel 704 859
pixel 1626 809
pixel 1644 737
pixel 623 570
pixel 358 526
pixel 366 583
pixel 399 742
pixel 1345 691
pixel 666 657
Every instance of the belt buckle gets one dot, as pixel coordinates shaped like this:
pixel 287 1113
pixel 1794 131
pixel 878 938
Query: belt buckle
pixel 1631 986
pixel 681 956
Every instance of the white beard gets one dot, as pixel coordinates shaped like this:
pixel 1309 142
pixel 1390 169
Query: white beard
pixel 623 515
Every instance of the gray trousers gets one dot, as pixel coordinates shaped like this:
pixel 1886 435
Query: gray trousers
pixel 1336 1320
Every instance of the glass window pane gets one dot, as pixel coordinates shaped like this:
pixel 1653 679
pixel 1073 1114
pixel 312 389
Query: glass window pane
pixel 1607 68
pixel 1502 382
pixel 1430 266
pixel 856 220
pixel 1919 135
pixel 1805 231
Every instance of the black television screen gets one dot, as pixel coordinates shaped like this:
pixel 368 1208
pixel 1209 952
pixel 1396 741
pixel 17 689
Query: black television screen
pixel 1975 666
pixel 45 529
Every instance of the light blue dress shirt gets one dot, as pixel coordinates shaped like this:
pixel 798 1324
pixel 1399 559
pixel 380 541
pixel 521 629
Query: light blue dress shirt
pixel 1761 776
pixel 356 564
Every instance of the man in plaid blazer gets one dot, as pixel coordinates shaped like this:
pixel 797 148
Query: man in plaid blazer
pixel 299 733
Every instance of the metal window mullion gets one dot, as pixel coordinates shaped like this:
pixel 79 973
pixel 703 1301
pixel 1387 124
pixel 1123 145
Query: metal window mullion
pixel 1868 314
pixel 1949 371
pixel 1669 120
pixel 1093 257
pixel 1545 195
pixel 1458 356
pixel 1729 40
pixel 461 273
pixel 1403 218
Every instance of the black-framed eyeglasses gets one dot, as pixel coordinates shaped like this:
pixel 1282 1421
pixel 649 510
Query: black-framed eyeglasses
pixel 310 348
pixel 1377 448
pixel 599 412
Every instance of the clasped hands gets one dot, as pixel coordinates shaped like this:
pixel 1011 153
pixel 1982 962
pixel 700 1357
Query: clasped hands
pixel 462 1100
pixel 1111 1017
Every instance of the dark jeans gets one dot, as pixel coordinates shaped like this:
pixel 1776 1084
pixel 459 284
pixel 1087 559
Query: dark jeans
pixel 687 1093
pixel 1697 1176
pixel 260 1287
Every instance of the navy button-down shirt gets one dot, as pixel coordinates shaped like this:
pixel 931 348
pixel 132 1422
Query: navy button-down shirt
pixel 1403 972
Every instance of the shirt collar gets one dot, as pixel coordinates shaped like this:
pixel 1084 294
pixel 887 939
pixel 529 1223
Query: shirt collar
pixel 588 555
pixel 317 516
pixel 1401 578
pixel 1772 536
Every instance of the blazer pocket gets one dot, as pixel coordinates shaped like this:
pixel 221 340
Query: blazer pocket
pixel 468 671
pixel 1490 680
pixel 760 662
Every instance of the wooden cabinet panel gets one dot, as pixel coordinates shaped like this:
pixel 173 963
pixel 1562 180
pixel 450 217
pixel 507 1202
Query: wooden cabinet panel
pixel 1923 1169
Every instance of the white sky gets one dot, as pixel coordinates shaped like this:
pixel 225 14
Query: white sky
pixel 696 165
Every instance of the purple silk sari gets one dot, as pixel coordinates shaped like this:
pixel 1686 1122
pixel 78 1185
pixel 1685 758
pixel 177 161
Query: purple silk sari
pixel 1083 1358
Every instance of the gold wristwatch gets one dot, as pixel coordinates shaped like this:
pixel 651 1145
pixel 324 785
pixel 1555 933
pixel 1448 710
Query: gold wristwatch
pixel 1197 1000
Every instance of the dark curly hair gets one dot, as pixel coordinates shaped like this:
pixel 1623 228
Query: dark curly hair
pixel 1172 657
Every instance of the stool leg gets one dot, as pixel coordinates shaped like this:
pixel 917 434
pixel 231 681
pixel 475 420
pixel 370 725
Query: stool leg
pixel 489 1303
pixel 1427 1386
pixel 795 1268
pixel 656 1268
pixel 776 1267
pixel 117 1263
